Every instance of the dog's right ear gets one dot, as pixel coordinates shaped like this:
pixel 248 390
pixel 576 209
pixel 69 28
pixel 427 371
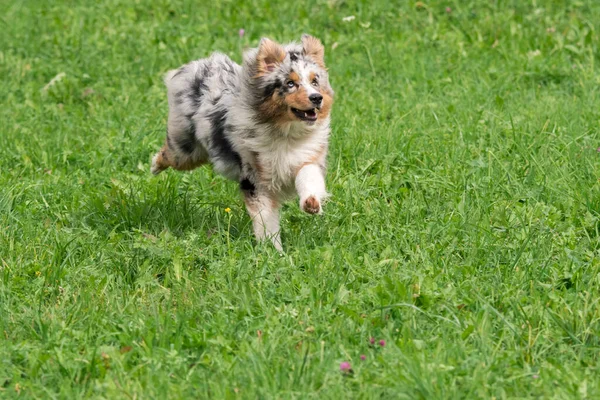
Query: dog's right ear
pixel 270 54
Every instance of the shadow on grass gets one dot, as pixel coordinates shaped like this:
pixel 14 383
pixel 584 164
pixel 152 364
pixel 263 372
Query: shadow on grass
pixel 547 78
pixel 153 208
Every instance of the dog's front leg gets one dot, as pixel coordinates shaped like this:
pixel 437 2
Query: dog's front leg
pixel 310 185
pixel 264 211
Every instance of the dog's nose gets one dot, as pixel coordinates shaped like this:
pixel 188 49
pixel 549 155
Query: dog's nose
pixel 316 98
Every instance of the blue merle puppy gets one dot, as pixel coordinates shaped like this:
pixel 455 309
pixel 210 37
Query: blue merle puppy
pixel 264 124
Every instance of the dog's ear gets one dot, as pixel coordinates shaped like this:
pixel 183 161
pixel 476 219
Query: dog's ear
pixel 313 48
pixel 270 54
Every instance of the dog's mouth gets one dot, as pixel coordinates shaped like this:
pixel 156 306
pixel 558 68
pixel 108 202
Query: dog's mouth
pixel 306 115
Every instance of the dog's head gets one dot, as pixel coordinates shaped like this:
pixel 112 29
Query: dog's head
pixel 290 83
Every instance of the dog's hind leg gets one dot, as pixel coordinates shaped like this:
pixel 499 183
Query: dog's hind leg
pixel 160 161
pixel 167 157
pixel 186 89
pixel 182 150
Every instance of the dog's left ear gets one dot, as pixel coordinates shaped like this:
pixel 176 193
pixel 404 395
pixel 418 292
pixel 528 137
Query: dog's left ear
pixel 313 48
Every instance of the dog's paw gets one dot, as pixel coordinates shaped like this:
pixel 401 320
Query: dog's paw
pixel 311 205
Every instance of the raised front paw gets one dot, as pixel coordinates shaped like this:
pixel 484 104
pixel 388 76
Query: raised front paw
pixel 311 205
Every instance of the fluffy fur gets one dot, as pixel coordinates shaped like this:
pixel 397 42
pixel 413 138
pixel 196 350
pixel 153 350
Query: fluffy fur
pixel 264 124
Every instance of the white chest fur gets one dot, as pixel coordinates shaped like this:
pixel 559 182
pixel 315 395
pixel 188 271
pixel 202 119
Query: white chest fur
pixel 280 159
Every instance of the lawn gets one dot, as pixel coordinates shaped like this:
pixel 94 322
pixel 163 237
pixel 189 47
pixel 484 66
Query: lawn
pixel 463 228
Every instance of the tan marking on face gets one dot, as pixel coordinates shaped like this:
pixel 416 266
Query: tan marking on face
pixel 311 77
pixel 294 77
pixel 299 99
pixel 273 108
pixel 326 103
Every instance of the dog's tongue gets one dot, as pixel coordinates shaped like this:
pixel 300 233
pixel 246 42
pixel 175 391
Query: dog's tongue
pixel 310 113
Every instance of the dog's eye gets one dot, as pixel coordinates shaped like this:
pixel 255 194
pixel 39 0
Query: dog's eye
pixel 315 83
pixel 290 84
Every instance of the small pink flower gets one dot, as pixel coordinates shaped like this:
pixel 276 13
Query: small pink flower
pixel 598 149
pixel 382 342
pixel 363 357
pixel 535 376
pixel 345 366
pixel 241 32
pixel 372 340
pixel 448 10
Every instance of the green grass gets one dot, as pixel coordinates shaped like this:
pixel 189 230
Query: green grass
pixel 463 227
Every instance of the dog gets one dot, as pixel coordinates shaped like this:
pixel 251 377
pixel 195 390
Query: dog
pixel 264 124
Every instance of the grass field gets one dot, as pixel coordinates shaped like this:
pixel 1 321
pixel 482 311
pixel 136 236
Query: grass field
pixel 463 227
